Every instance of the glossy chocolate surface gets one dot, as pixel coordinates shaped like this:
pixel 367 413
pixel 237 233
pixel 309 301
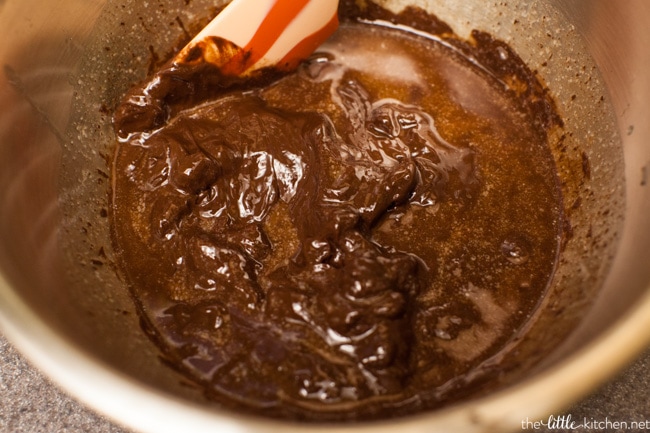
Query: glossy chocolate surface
pixel 367 233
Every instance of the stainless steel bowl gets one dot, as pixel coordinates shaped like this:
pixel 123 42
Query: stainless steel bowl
pixel 65 63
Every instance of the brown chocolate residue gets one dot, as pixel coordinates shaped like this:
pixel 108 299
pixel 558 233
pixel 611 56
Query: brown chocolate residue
pixel 350 241
pixel 495 56
pixel 174 87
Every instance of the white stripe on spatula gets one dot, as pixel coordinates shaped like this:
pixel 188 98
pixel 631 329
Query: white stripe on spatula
pixel 271 33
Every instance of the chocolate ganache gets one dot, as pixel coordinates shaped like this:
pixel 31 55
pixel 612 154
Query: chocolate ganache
pixel 359 235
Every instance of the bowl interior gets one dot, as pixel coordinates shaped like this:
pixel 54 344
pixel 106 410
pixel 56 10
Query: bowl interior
pixel 56 143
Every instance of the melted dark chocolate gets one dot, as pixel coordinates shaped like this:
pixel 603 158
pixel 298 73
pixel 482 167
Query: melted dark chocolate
pixel 357 236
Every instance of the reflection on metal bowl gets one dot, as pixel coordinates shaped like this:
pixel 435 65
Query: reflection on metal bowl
pixel 65 64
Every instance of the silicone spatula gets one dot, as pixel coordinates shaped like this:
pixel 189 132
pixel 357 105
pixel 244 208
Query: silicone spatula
pixel 248 35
